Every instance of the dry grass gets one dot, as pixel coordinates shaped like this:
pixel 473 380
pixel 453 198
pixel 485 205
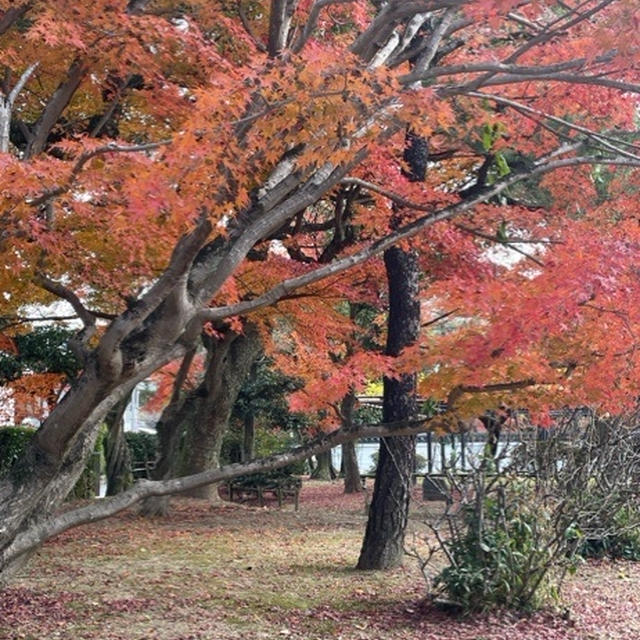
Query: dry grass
pixel 240 572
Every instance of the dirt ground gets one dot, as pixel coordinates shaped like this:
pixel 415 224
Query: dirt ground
pixel 230 572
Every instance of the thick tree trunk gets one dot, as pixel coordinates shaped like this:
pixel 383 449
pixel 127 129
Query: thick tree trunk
pixel 116 452
pixel 324 469
pixel 230 362
pixel 170 428
pixel 383 544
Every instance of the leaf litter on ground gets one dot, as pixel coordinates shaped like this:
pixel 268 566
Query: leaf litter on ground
pixel 228 572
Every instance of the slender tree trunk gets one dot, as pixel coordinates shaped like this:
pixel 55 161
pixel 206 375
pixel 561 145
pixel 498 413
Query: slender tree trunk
pixel 248 437
pixel 116 452
pixel 229 364
pixel 352 480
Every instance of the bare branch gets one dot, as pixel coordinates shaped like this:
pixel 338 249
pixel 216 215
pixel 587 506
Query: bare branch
pixel 610 143
pixel 394 197
pixel 389 16
pixel 61 291
pixel 550 31
pixel 566 78
pixel 507 242
pixel 457 392
pixel 82 160
pixel 433 43
pixel 312 21
pixel 21 82
pixel 439 318
pixel 6 107
pixel 54 108
pixel 78 345
pixel 521 20
pixel 279 25
pixel 531 72
pixel 247 27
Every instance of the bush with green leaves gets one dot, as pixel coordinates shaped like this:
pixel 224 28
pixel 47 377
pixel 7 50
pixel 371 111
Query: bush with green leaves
pixel 510 537
pixel 13 442
pixel 621 542
pixel 43 350
pixel 267 442
pixel 143 446
pixel 503 553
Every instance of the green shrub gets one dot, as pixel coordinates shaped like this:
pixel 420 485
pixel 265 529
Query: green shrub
pixel 143 446
pixel 621 540
pixel 13 442
pixel 510 538
pixel 267 442
pixel 505 550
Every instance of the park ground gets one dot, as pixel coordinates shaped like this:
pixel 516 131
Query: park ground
pixel 231 572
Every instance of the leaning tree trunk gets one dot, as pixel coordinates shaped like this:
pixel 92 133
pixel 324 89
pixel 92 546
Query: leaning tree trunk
pixel 229 364
pixel 116 452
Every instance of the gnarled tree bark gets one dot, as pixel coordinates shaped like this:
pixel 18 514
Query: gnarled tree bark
pixel 230 361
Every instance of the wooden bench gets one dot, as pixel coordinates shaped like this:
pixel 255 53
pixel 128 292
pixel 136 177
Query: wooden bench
pixel 365 476
pixel 434 485
pixel 142 469
pixel 279 488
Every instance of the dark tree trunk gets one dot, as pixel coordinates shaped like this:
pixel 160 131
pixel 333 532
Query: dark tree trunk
pixel 116 452
pixel 383 544
pixel 248 437
pixel 324 469
pixel 230 362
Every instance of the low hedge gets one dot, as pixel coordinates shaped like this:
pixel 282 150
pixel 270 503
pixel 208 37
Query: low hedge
pixel 143 446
